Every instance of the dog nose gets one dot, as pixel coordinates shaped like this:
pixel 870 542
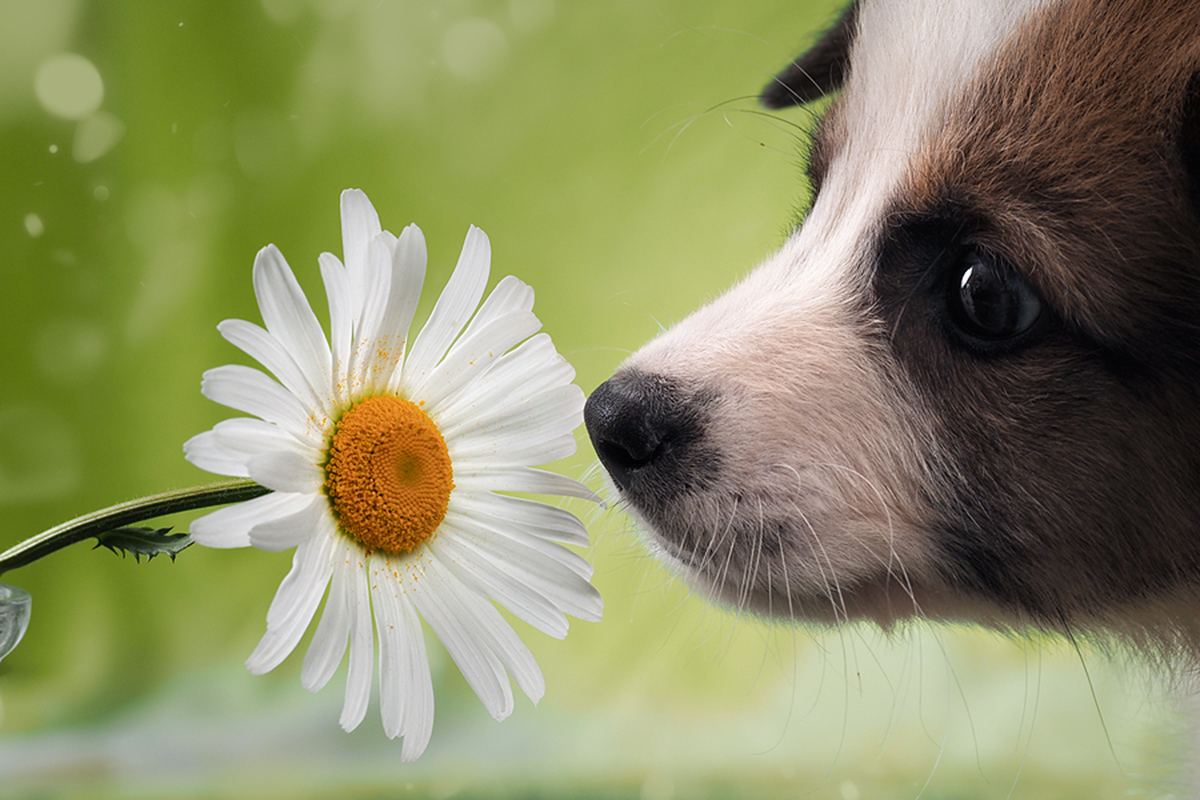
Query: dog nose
pixel 633 420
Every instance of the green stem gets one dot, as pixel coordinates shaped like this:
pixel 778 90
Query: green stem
pixel 107 519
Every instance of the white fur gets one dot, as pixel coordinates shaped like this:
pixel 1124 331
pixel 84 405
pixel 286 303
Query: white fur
pixel 787 344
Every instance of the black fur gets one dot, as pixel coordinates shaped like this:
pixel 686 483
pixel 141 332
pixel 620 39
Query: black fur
pixel 818 72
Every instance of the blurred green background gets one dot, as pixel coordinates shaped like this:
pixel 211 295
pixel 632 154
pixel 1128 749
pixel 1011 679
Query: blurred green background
pixel 614 153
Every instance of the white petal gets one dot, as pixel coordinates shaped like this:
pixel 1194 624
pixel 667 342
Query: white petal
pixel 520 479
pixel 413 675
pixel 457 302
pixel 378 281
pixel 405 685
pixel 289 317
pixel 341 321
pixel 312 563
pixel 362 645
pixel 250 437
pixel 512 448
pixel 479 572
pixel 294 604
pixel 525 371
pixel 485 339
pixel 287 472
pixel 207 453
pixel 289 531
pixel 547 569
pixel 378 350
pixel 532 367
pixel 510 296
pixel 464 638
pixel 248 390
pixel 408 275
pixel 409 257
pixel 333 631
pixel 489 629
pixel 360 223
pixel 528 516
pixel 386 596
pixel 473 354
pixel 264 348
pixel 230 526
pixel 518 428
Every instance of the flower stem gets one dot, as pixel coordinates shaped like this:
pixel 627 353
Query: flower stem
pixel 133 511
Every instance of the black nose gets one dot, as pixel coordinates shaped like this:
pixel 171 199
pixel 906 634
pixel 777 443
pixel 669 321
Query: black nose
pixel 636 422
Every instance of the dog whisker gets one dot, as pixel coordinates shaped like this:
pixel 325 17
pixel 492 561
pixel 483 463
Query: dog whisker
pixel 965 387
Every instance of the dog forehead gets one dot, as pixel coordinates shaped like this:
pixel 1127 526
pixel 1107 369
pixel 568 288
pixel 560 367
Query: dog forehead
pixel 911 60
pixel 912 63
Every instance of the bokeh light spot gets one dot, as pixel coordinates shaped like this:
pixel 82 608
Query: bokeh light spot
pixel 95 136
pixel 34 225
pixel 68 351
pixel 69 86
pixel 474 49
pixel 530 16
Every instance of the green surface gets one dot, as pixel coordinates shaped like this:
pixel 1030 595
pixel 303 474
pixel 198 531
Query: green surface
pixel 614 154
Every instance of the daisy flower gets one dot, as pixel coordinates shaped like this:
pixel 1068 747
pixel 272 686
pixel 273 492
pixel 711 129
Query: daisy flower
pixel 390 468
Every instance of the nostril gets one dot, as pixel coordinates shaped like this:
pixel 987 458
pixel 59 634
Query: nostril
pixel 633 420
pixel 624 457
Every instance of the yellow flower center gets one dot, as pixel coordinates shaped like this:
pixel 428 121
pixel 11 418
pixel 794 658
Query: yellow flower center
pixel 389 474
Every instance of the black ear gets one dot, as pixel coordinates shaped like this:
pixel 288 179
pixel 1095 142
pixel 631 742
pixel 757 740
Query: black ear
pixel 818 71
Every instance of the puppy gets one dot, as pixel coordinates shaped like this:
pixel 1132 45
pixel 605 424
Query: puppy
pixel 968 385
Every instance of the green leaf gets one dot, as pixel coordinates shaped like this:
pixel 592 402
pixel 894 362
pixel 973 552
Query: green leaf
pixel 140 541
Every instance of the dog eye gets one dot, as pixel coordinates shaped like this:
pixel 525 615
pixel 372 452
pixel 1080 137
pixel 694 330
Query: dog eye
pixel 988 303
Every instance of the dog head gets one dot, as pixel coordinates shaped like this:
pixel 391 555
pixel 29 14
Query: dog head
pixel 968 385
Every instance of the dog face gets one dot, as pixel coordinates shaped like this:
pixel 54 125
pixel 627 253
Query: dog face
pixel 968 385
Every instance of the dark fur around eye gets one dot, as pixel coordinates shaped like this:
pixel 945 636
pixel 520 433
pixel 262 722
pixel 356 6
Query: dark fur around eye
pixel 988 305
pixel 938 279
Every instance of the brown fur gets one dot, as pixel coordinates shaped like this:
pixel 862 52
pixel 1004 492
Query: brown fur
pixel 1078 494
pixel 1053 482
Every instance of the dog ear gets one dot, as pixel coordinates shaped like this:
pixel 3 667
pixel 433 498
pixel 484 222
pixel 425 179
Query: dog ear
pixel 818 71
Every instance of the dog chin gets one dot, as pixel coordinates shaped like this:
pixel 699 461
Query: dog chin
pixel 765 569
pixel 886 599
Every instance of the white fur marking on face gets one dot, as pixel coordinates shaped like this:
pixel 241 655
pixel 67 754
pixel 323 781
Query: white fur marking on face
pixel 822 442
pixel 888 112
pixel 911 62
